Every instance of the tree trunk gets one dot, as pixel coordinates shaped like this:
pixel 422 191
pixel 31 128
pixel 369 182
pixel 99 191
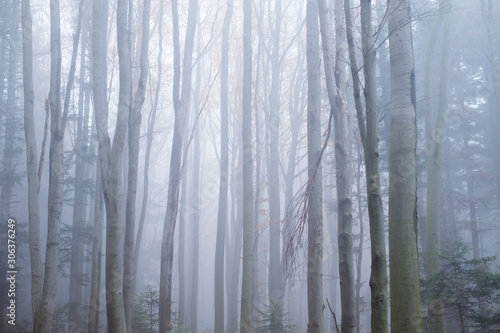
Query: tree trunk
pixel 359 258
pixel 275 283
pixel 134 130
pixel 31 160
pixel 56 175
pixel 370 138
pixel 111 154
pixel 434 145
pixel 180 109
pixel 80 194
pixel 149 144
pixel 224 177
pixel 10 149
pixel 404 274
pixel 95 278
pixel 246 324
pixel 314 196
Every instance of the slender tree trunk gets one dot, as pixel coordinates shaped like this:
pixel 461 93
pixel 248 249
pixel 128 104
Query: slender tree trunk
pixel 370 138
pixel 31 160
pixel 275 284
pixel 224 177
pixel 180 109
pixel 314 220
pixel 234 244
pixel 56 175
pixel 246 324
pixel 404 273
pixel 359 259
pixel 10 149
pixel 336 79
pixel 149 144
pixel 95 278
pixel 434 145
pixel 134 129
pixel 111 154
pixel 80 195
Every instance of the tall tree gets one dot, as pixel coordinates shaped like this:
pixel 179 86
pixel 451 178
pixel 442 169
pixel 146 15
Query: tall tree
pixel 56 168
pixel 111 153
pixel 10 133
pixel 181 107
pixel 248 237
pixel 336 80
pixel 435 134
pixel 31 160
pixel 315 189
pixel 275 285
pixel 224 176
pixel 368 127
pixel 404 272
pixel 134 130
pixel 80 192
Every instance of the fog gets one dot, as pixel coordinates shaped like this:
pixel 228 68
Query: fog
pixel 254 166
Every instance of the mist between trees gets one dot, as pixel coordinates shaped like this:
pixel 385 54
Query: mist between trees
pixel 250 166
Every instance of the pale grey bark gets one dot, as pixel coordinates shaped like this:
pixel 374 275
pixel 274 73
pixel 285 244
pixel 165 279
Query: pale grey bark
pixel 316 322
pixel 80 193
pixel 134 129
pixel 95 277
pixel 234 243
pixel 404 273
pixel 359 259
pixel 180 109
pixel 336 80
pixel 8 161
pixel 435 135
pixel 369 136
pixel 149 140
pixel 224 177
pixel 275 281
pixel 56 175
pixel 111 154
pixel 31 160
pixel 246 324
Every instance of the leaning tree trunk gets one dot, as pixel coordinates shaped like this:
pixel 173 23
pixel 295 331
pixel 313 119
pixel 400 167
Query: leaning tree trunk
pixel 135 118
pixel 404 273
pixel 248 238
pixel 315 190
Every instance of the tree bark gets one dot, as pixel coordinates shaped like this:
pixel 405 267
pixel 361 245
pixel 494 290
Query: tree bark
pixel 224 177
pixel 434 145
pixel 31 161
pixel 180 109
pixel 111 154
pixel 134 130
pixel 56 175
pixel 314 212
pixel 246 324
pixel 10 150
pixel 369 137
pixel 403 256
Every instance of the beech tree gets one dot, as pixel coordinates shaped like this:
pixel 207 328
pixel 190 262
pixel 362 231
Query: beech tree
pixel 111 153
pixel 404 272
